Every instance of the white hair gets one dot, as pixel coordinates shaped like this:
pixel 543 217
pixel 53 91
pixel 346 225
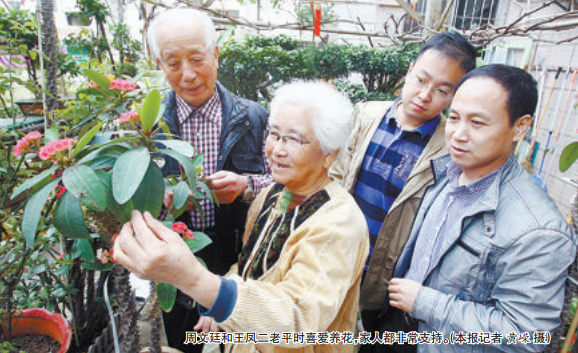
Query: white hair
pixel 330 111
pixel 180 16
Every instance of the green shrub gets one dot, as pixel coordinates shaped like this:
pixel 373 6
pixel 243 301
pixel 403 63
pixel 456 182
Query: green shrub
pixel 382 69
pixel 252 67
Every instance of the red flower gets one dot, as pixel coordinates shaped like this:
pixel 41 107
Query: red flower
pixel 106 256
pixel 183 230
pixel 61 192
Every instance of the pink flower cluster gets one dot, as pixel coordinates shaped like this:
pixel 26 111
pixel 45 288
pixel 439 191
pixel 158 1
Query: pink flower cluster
pixel 24 145
pixel 91 84
pixel 128 117
pixel 121 84
pixel 183 230
pixel 57 150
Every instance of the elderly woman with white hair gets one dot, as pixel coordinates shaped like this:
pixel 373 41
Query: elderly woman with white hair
pixel 305 241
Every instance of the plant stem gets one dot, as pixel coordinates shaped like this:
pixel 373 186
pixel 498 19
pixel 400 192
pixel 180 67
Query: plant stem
pixel 7 190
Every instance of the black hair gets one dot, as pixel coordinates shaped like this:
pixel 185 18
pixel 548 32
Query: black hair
pixel 454 46
pixel 520 85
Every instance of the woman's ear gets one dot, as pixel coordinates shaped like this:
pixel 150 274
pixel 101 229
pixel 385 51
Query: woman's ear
pixel 329 159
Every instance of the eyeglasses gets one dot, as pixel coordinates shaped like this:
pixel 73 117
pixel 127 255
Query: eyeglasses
pixel 289 141
pixel 441 92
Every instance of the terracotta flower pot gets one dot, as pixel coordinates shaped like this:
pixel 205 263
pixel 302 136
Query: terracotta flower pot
pixel 43 322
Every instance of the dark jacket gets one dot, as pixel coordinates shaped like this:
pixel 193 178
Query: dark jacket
pixel 241 151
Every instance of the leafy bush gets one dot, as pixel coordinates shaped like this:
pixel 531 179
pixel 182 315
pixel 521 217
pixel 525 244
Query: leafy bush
pixel 250 67
pixel 254 66
pixel 382 69
pixel 330 61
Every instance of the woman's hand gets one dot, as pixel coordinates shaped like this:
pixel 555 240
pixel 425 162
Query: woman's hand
pixel 207 324
pixel 154 252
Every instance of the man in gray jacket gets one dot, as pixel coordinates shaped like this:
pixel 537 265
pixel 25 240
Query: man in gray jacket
pixel 486 262
pixel 385 163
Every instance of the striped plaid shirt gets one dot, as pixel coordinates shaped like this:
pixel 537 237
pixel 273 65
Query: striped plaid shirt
pixel 387 164
pixel 201 127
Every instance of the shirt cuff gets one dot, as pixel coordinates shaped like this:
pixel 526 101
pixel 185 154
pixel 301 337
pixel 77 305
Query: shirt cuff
pixel 225 302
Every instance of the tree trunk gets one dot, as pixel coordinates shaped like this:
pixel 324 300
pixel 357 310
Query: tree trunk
pixel 50 48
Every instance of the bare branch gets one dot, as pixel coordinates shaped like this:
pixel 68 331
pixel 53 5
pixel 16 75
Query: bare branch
pixel 525 25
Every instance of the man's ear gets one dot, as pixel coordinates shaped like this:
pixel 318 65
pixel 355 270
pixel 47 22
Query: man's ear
pixel 409 69
pixel 521 126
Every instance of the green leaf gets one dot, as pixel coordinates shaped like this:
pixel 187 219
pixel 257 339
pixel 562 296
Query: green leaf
pixel 111 150
pixel 151 191
pixel 36 180
pixel 180 146
pixel 51 135
pixel 160 114
pixel 165 128
pixel 97 266
pixel 568 156
pixel 185 162
pixel 82 180
pixel 181 194
pixel 33 210
pixel 86 138
pixel 68 218
pixel 85 249
pixel 167 295
pixel 120 212
pixel 198 160
pixel 207 192
pixel 202 239
pixel 150 109
pixel 128 172
pixel 101 80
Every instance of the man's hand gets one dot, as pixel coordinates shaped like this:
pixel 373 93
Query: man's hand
pixel 207 324
pixel 402 293
pixel 227 185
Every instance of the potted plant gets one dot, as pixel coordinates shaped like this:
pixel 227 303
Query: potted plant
pixel 86 188
pixel 40 322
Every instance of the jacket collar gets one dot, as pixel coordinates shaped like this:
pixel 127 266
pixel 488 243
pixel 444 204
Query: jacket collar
pixel 490 199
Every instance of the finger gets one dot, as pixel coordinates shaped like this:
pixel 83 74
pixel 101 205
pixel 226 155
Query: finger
pixel 142 232
pixel 160 231
pixel 214 327
pixel 218 175
pixel 125 242
pixel 199 324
